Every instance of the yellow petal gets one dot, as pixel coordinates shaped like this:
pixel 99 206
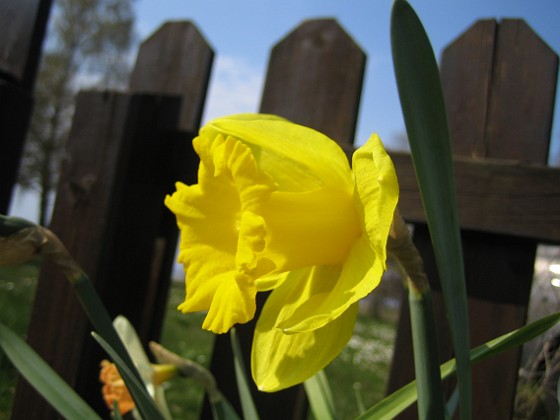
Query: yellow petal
pixel 297 157
pixel 377 190
pixel 341 288
pixel 222 233
pixel 279 360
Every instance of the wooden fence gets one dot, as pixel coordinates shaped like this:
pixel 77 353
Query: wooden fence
pixel 22 29
pixel 127 149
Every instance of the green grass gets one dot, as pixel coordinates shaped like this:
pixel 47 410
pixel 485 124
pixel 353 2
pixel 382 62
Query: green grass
pixel 17 290
pixel 183 335
pixel 362 366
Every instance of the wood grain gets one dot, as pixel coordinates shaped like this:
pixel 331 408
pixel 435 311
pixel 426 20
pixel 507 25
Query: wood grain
pixel 494 196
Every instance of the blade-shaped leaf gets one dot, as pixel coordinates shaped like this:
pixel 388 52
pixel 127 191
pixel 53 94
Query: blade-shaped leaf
pixel 424 113
pixel 222 410
pixel 247 404
pixel 320 396
pixel 398 401
pixel 43 378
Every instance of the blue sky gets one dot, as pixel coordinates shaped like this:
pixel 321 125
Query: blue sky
pixel 241 33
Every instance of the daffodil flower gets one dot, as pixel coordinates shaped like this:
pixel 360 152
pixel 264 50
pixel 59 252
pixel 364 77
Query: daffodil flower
pixel 277 207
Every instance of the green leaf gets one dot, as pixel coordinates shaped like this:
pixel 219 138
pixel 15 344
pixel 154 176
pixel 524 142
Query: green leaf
pixel 423 108
pixel 144 402
pixel 43 378
pixel 320 397
pixel 398 401
pixel 101 320
pixel 222 410
pixel 247 404
pixel 359 400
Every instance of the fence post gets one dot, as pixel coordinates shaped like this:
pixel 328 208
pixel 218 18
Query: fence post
pixel 125 152
pixel 22 29
pixel 314 78
pixel 174 60
pixel 499 83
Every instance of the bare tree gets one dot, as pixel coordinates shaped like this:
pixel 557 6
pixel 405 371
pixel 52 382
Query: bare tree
pixel 88 41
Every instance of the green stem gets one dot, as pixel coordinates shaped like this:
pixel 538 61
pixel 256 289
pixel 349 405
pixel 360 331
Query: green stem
pixel 426 360
pixel 422 319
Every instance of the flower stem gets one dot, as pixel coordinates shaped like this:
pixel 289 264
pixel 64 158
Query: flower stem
pixel 422 318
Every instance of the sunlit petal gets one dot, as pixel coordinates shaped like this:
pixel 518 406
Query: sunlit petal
pixel 279 360
pixel 377 191
pixel 376 198
pixel 340 288
pixel 299 158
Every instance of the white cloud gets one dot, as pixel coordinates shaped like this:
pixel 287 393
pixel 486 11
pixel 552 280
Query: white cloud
pixel 235 87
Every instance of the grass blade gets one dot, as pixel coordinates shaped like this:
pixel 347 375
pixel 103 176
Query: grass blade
pixel 247 404
pixel 423 108
pixel 320 396
pixel 43 378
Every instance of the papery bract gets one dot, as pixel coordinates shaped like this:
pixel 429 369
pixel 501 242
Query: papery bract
pixel 278 208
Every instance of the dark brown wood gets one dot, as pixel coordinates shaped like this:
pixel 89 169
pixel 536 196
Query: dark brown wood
pixel 493 78
pixel 15 111
pixel 175 60
pixel 315 66
pixel 22 29
pixel 466 86
pixel 495 196
pixel 521 105
pixel 309 81
pixel 125 154
pixel 109 202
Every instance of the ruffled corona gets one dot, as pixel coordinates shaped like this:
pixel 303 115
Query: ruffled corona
pixel 277 207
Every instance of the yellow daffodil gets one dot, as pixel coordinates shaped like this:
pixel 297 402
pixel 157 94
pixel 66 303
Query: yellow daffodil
pixel 277 207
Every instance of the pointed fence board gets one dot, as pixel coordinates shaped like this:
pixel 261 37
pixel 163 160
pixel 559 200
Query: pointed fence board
pixel 125 153
pixel 315 66
pixel 315 77
pixel 175 60
pixel 499 82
